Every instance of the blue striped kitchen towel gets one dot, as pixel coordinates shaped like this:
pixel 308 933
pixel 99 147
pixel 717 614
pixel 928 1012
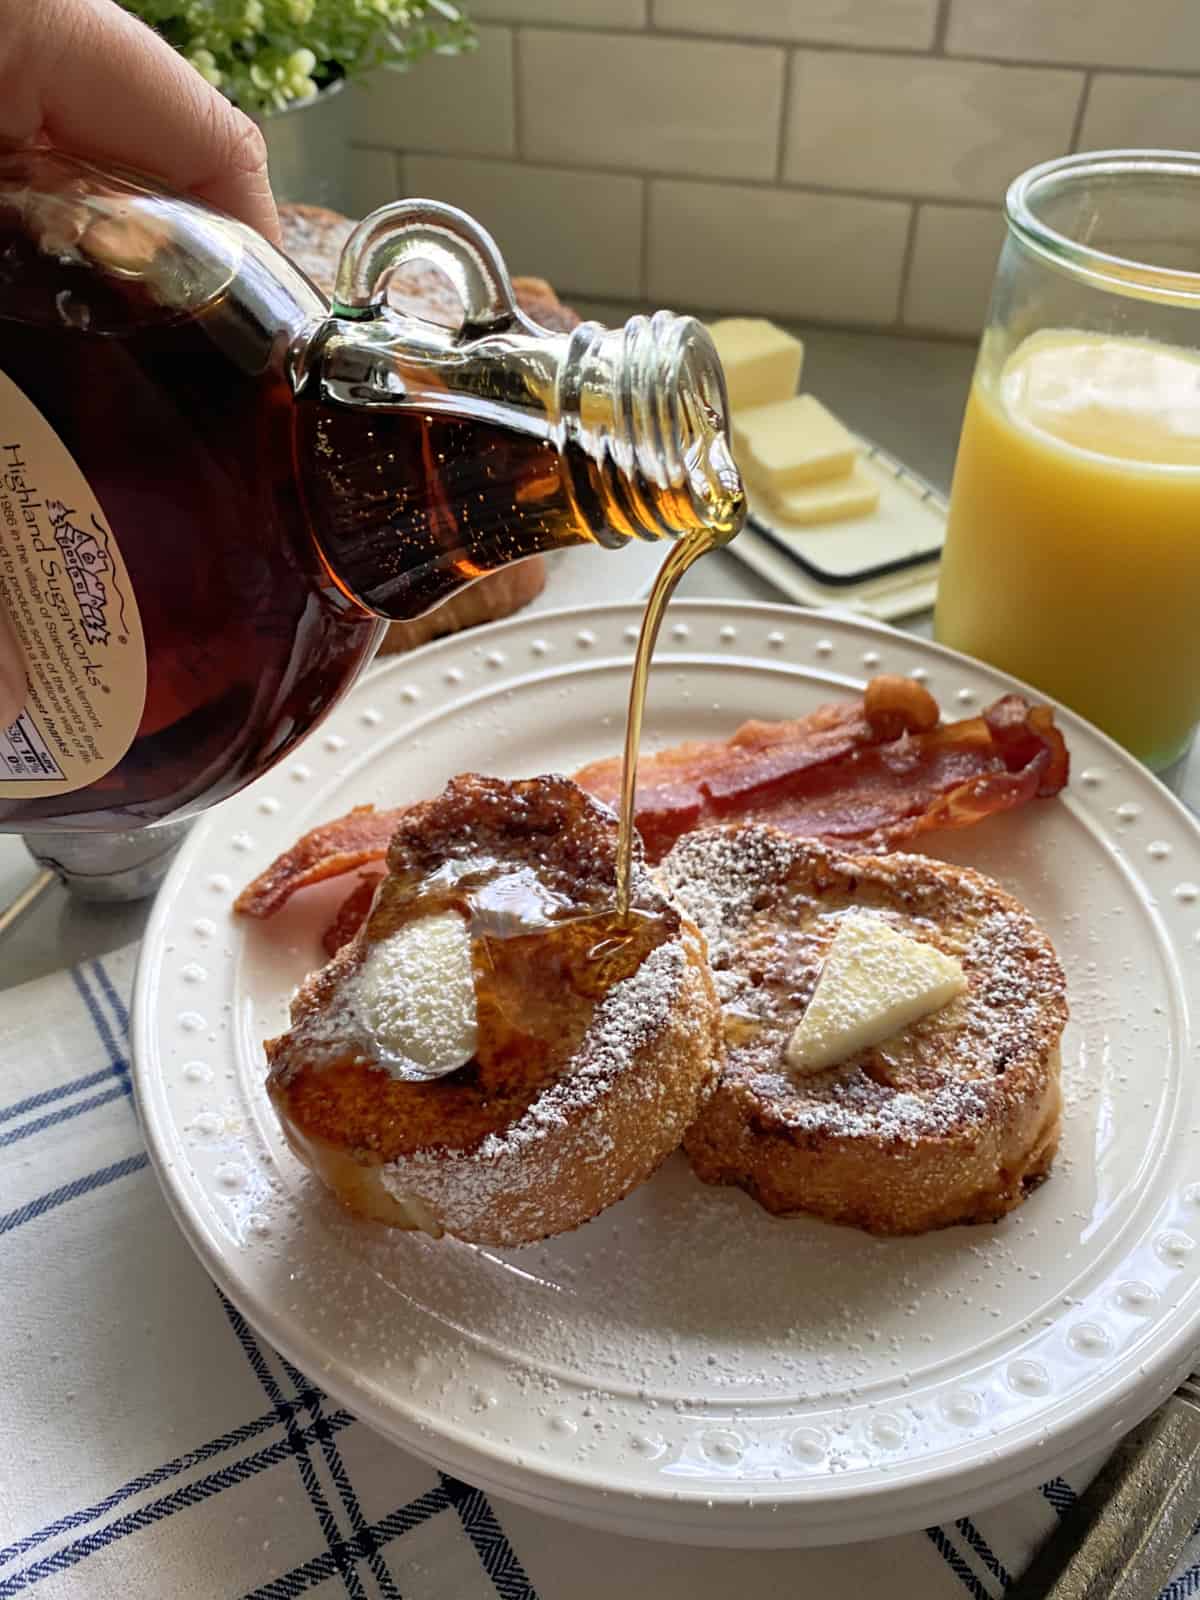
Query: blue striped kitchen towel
pixel 153 1447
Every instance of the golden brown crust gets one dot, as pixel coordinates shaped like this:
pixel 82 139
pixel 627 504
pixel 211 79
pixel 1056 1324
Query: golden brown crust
pixel 954 1120
pixel 585 1076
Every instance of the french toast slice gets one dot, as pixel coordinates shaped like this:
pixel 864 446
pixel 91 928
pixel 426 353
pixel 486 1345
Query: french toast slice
pixel 592 1048
pixel 955 1119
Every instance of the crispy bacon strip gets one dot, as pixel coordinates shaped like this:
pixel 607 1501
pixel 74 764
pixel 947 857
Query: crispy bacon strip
pixel 843 776
pixel 694 784
pixel 335 847
pixel 351 914
pixel 870 774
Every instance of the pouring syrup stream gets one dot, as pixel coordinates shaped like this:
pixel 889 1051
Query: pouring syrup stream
pixel 718 486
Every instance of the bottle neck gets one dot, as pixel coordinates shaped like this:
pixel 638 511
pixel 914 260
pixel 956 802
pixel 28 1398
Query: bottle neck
pixel 429 457
pixel 646 409
pixel 638 413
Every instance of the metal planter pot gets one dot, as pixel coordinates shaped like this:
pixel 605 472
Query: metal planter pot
pixel 309 150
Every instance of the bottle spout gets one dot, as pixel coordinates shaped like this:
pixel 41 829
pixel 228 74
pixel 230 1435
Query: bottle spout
pixel 716 485
pixel 694 377
pixel 648 408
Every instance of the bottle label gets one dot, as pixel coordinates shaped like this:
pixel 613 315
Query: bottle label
pixel 67 595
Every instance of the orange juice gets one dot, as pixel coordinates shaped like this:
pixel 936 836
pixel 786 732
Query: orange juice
pixel 1072 555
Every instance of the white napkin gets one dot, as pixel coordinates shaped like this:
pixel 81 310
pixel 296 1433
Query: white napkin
pixel 151 1445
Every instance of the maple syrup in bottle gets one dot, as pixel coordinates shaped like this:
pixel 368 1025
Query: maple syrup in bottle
pixel 214 486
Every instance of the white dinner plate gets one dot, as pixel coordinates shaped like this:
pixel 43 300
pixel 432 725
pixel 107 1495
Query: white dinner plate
pixel 686 1367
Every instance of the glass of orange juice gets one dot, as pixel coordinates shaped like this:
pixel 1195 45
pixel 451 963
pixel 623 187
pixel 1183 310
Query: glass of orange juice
pixel 1072 555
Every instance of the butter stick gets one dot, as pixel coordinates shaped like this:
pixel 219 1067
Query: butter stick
pixel 794 442
pixel 833 501
pixel 762 363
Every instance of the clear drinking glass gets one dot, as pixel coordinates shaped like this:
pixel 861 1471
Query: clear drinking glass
pixel 1072 555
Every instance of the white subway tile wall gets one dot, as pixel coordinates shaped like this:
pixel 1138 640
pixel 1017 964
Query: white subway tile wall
pixel 919 125
pixel 459 103
pixel 1125 110
pixel 572 14
pixel 524 207
pixel 953 262
pixel 805 257
pixel 872 24
pixel 838 161
pixel 678 105
pixel 1093 33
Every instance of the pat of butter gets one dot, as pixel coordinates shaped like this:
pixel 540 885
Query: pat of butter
pixel 762 363
pixel 414 997
pixel 875 982
pixel 852 496
pixel 793 442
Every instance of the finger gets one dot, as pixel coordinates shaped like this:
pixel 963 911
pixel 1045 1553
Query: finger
pixel 97 82
pixel 12 674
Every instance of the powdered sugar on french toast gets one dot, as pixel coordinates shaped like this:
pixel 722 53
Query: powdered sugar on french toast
pixel 718 881
pixel 462 1185
pixel 626 1019
pixel 595 1045
pixel 767 937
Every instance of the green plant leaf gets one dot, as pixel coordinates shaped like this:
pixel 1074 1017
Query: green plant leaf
pixel 249 48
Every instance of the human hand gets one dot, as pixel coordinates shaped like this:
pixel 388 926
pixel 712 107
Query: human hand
pixel 87 77
pixel 93 80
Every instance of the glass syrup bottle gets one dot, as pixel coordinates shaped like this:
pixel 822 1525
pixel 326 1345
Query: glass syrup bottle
pixel 214 486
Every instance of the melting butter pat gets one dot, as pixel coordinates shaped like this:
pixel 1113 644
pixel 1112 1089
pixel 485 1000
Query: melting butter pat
pixel 414 997
pixel 793 442
pixel 762 363
pixel 852 496
pixel 875 982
